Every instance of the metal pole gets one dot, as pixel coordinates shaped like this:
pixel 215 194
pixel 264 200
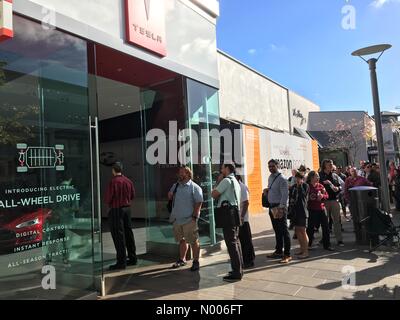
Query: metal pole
pixel 379 135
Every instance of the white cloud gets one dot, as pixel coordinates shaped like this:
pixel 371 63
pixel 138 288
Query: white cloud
pixel 380 3
pixel 252 51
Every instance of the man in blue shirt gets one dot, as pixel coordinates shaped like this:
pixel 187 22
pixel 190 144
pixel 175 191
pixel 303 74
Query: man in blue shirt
pixel 187 199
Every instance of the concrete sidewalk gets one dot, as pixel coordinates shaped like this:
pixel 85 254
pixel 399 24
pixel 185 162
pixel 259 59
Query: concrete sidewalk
pixel 377 275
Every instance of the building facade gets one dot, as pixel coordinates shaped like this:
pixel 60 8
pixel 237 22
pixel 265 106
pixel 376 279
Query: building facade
pixel 272 121
pixel 82 83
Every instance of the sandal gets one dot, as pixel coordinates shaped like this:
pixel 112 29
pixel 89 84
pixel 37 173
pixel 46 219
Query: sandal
pixel 178 264
pixel 298 253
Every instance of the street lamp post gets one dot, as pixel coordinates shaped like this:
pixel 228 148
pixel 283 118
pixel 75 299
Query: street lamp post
pixel 377 114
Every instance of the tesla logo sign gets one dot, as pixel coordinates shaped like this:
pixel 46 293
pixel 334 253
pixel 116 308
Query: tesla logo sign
pixel 40 157
pixel 145 25
pixel 6 28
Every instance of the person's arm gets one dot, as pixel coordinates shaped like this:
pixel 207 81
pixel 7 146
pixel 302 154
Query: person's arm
pixel 284 193
pixel 346 189
pixel 244 208
pixel 198 199
pixel 196 211
pixel 171 192
pixel 220 189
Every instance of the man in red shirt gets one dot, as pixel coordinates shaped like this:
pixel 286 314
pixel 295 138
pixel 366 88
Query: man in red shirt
pixel 119 195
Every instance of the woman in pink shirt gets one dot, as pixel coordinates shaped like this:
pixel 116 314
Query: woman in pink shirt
pixel 354 181
pixel 317 211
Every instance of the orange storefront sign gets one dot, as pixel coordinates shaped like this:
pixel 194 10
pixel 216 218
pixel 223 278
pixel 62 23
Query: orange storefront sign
pixel 253 164
pixel 315 155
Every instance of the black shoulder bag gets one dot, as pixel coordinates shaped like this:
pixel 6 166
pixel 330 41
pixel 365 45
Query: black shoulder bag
pixel 227 215
pixel 264 197
pixel 170 203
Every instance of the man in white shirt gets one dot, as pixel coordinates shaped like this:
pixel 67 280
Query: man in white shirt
pixel 245 236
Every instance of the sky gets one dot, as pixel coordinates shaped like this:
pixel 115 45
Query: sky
pixel 304 45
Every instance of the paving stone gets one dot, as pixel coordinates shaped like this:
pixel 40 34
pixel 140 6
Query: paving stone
pixel 315 294
pixel 282 288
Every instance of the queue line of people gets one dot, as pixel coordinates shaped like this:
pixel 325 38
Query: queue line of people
pixel 310 199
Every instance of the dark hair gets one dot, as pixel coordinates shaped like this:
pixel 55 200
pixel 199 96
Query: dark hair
pixel 324 163
pixel 299 175
pixel 302 168
pixel 230 166
pixel 274 162
pixel 311 175
pixel 117 167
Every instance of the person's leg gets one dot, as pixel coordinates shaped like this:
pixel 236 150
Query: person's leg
pixel 191 234
pixel 231 236
pixel 285 236
pixel 183 248
pixel 323 218
pixel 246 244
pixel 129 236
pixel 278 249
pixel 337 225
pixel 117 233
pixel 311 227
pixel 303 241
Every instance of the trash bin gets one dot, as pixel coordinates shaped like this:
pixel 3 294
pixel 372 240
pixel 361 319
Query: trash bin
pixel 363 201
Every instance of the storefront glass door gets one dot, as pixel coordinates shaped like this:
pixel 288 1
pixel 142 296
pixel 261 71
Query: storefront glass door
pixel 46 230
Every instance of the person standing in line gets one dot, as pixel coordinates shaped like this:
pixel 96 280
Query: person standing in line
pixel 291 183
pixel 342 200
pixel 187 199
pixel 374 176
pixel 278 194
pixel 245 236
pixel 397 189
pixel 228 190
pixel 354 181
pixel 317 212
pixel 332 184
pixel 298 210
pixel 120 193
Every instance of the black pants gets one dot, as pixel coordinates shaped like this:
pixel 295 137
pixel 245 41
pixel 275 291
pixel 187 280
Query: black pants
pixel 246 243
pixel 122 234
pixel 318 218
pixel 282 235
pixel 231 236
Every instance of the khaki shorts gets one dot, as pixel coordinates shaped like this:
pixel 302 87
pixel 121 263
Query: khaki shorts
pixel 189 232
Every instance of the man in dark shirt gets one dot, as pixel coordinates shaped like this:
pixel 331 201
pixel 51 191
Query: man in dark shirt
pixel 119 195
pixel 332 183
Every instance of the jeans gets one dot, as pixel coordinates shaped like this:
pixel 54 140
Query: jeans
pixel 282 235
pixel 315 218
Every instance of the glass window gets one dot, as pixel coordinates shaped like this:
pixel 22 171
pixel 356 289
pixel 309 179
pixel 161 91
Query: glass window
pixel 204 117
pixel 45 187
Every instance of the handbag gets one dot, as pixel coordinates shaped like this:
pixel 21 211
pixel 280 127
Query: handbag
pixel 264 197
pixel 170 203
pixel 227 215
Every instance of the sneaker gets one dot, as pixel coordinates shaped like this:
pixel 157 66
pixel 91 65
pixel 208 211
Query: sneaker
pixel 232 278
pixel 275 255
pixel 329 249
pixel 286 259
pixel 178 264
pixel 132 262
pixel 340 244
pixel 117 267
pixel 195 266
